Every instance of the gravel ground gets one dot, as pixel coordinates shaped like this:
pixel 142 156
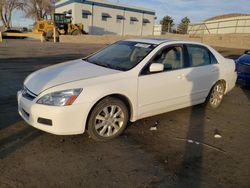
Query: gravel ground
pixel 182 152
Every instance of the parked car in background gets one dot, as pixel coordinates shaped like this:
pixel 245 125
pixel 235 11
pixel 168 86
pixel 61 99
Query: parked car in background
pixel 126 81
pixel 13 37
pixel 243 69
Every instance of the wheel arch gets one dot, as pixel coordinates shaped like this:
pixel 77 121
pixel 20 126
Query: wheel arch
pixel 122 97
pixel 221 80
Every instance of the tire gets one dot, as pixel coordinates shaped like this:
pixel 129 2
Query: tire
pixel 49 35
pixel 216 95
pixel 76 32
pixel 108 119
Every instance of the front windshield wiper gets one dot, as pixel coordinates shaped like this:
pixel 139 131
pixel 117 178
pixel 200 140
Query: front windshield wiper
pixel 106 65
pixel 114 67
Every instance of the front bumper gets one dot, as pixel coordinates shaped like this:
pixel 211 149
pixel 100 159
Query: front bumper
pixel 67 120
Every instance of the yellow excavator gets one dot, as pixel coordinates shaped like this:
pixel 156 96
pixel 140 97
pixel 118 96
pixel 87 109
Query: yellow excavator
pixel 61 22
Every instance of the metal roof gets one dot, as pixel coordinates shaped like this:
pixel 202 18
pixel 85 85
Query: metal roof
pixel 107 4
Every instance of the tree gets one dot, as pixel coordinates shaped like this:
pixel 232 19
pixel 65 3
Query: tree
pixel 183 26
pixel 38 9
pixel 6 9
pixel 167 23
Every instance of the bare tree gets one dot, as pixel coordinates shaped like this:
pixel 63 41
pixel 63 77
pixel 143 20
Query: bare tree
pixel 6 9
pixel 38 9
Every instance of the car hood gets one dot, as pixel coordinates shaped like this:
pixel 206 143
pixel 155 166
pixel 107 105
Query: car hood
pixel 63 73
pixel 244 59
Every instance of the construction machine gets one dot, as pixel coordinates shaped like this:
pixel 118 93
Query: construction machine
pixel 62 24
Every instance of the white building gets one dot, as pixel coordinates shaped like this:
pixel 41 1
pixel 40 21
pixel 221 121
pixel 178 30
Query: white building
pixel 224 24
pixel 157 29
pixel 102 17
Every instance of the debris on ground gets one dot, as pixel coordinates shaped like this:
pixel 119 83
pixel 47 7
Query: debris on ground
pixel 193 142
pixel 201 143
pixel 217 134
pixel 208 118
pixel 154 128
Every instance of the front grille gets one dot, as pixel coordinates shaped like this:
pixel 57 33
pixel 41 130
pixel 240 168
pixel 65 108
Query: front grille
pixel 26 93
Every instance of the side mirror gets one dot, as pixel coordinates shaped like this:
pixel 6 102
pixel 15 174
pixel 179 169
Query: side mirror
pixel 156 67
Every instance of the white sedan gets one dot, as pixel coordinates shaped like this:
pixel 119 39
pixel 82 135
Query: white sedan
pixel 126 81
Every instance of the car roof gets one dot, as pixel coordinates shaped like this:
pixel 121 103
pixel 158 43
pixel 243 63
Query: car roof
pixel 152 40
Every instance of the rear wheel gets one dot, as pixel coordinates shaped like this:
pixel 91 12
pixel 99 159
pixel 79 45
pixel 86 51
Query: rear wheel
pixel 216 95
pixel 108 119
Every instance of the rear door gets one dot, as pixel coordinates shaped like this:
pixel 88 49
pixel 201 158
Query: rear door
pixel 204 71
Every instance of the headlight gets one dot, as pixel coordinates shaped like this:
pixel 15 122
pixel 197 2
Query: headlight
pixel 60 98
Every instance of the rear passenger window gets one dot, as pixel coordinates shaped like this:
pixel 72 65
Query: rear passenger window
pixel 198 55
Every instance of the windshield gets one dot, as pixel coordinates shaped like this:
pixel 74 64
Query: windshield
pixel 122 55
pixel 61 18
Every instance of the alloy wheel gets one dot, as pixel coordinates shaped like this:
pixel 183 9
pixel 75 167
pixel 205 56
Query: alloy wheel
pixel 217 95
pixel 109 121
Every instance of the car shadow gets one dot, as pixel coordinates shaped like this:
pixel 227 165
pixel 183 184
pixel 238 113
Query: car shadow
pixel 12 74
pixel 9 122
pixel 190 171
pixel 17 140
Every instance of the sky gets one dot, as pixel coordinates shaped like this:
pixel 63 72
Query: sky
pixel 196 10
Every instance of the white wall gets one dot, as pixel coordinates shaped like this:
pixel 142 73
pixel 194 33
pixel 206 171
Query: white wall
pixel 148 29
pixel 240 24
pixel 157 30
pixel 87 22
pixel 96 26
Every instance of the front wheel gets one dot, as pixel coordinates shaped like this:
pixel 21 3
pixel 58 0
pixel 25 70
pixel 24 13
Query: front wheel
pixel 216 95
pixel 50 35
pixel 108 119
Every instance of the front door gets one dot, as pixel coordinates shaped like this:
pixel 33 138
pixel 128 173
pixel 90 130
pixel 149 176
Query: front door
pixel 168 90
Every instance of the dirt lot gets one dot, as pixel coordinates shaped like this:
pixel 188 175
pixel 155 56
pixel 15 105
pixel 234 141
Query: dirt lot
pixel 140 157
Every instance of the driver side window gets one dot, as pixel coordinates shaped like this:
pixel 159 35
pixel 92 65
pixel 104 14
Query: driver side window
pixel 171 58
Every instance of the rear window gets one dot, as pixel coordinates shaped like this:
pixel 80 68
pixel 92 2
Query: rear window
pixel 198 55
